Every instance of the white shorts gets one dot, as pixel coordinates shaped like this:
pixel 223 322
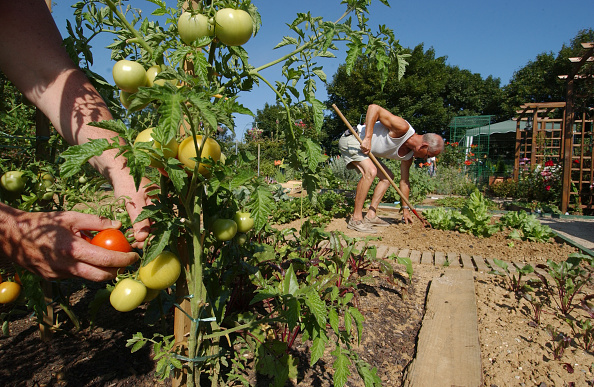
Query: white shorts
pixel 350 149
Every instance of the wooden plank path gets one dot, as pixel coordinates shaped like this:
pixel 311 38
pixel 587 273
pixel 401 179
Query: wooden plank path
pixel 448 348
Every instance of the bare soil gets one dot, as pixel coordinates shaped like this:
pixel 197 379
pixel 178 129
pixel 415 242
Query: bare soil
pixel 515 350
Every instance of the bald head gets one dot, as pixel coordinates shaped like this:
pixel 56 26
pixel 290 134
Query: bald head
pixel 435 143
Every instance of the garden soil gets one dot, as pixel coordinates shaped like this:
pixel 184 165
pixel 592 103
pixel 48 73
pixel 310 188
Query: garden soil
pixel 515 351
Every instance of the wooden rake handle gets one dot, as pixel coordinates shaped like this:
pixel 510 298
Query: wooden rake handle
pixel 380 167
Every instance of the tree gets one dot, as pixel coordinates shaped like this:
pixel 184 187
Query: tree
pixel 538 81
pixel 429 95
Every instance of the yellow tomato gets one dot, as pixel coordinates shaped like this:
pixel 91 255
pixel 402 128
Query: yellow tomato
pixel 187 151
pixel 169 150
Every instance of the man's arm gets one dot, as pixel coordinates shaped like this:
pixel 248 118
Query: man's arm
pixel 33 58
pixel 405 188
pixel 397 125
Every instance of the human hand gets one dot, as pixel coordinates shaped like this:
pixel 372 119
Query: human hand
pixel 50 245
pixel 406 217
pixel 135 201
pixel 366 145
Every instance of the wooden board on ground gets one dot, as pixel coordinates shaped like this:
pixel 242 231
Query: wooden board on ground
pixel 466 261
pixel 448 350
pixel 440 259
pixel 415 256
pixel 480 263
pixel 427 258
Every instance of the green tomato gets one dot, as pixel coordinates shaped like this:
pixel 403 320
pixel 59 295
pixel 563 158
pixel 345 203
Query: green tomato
pixel 169 150
pixel 13 181
pixel 151 294
pixel 151 74
pixel 244 221
pixel 129 75
pixel 161 272
pixel 241 238
pixel 126 99
pixel 127 295
pixel 233 27
pixel 224 229
pixel 43 190
pixel 194 27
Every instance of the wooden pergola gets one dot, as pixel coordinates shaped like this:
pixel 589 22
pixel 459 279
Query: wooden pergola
pixel 566 139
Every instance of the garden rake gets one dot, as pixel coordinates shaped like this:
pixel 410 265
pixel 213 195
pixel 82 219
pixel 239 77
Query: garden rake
pixel 381 168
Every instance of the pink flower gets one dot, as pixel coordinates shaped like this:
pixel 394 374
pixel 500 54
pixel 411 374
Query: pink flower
pixel 548 187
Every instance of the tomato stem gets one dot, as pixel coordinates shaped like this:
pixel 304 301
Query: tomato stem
pixel 122 18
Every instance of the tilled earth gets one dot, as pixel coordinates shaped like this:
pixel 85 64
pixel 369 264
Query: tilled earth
pixel 393 315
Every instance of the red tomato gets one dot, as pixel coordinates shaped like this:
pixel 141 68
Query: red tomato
pixel 112 240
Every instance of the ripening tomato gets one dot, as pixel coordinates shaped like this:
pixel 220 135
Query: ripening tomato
pixel 151 294
pixel 224 229
pixel 233 27
pixel 191 27
pixel 169 150
pixel 244 221
pixel 112 239
pixel 129 75
pixel 9 292
pixel 127 295
pixel 161 272
pixel 13 181
pixel 186 152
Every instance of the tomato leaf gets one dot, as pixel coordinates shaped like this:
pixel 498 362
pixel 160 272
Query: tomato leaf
pixel 77 155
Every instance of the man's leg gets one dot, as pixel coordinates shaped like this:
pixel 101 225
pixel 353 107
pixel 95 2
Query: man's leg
pixel 380 189
pixel 368 172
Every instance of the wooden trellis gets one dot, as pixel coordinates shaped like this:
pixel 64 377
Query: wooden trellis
pixel 557 133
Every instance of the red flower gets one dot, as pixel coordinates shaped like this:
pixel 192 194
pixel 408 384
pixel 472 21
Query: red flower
pixel 467 162
pixel 548 187
pixel 549 163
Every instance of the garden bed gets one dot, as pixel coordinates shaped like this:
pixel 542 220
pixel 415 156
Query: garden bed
pixel 513 352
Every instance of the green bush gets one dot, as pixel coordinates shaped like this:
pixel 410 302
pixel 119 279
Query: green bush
pixel 452 181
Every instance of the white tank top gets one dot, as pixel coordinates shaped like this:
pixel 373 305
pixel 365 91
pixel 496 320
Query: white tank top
pixel 383 145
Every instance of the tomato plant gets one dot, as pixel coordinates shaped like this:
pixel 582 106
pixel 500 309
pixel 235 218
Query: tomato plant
pixel 186 153
pixel 129 75
pixel 169 150
pixel 161 272
pixel 224 229
pixel 9 292
pixel 222 279
pixel 233 27
pixel 13 181
pixel 191 27
pixel 244 221
pixel 127 295
pixel 112 239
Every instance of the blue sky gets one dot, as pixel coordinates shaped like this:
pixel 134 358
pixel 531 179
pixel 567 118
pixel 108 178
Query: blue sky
pixel 487 37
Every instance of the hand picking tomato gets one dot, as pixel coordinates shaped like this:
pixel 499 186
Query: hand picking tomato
pixel 112 240
pixel 233 27
pixel 127 295
pixel 224 229
pixel 186 152
pixel 161 272
pixel 169 150
pixel 244 221
pixel 129 75
pixel 13 181
pixel 191 27
pixel 9 292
